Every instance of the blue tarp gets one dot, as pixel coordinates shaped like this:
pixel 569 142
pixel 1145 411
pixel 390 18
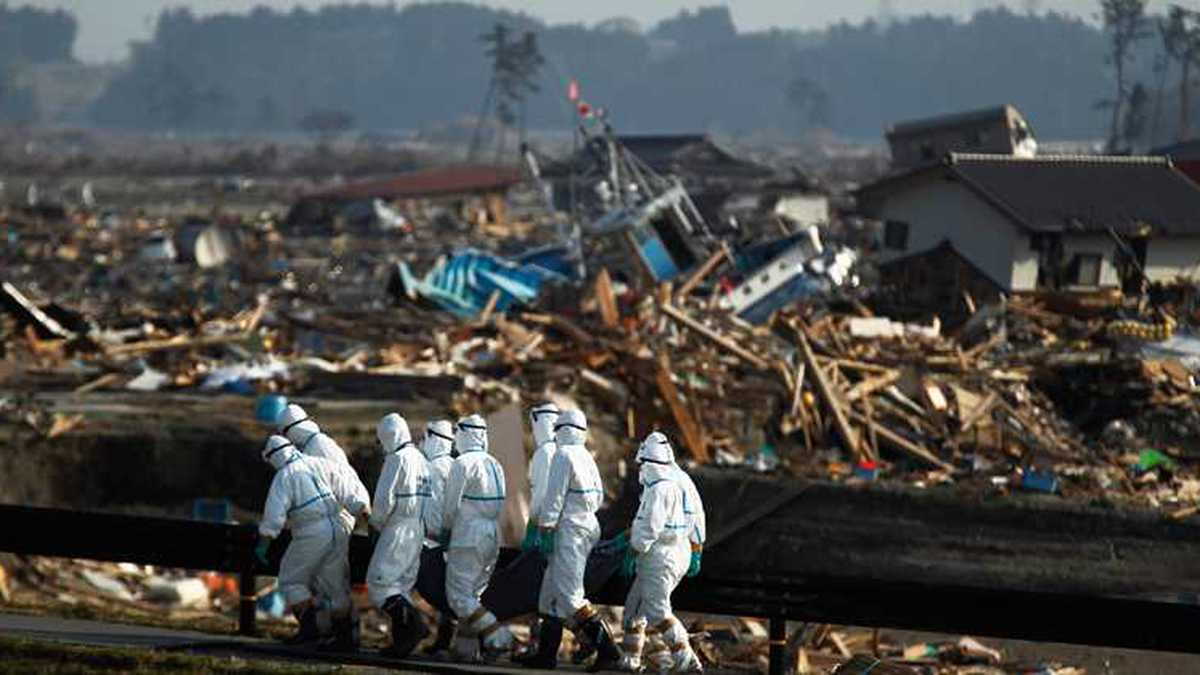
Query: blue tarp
pixel 463 283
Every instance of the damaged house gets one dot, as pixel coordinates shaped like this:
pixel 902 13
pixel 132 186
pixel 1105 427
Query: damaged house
pixel 468 193
pixel 1000 130
pixel 991 224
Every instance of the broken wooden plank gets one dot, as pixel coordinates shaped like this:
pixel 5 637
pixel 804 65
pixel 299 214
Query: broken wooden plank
pixel 720 340
pixel 693 435
pixel 485 314
pixel 977 413
pixel 607 301
pixel 99 382
pixel 714 261
pixel 25 311
pixel 177 342
pixel 829 396
pixel 871 385
pixel 902 443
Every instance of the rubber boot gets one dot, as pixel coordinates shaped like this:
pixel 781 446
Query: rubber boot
pixel 608 655
pixel 445 634
pixel 407 627
pixel 343 636
pixel 308 632
pixel 545 655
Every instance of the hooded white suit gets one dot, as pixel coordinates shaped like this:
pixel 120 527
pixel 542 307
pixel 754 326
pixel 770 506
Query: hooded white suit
pixel 303 431
pixel 436 446
pixel 542 419
pixel 472 506
pixel 307 495
pixel 573 494
pixel 402 495
pixel 659 538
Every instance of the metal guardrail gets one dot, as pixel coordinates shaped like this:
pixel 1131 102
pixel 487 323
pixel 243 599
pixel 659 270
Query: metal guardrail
pixel 988 609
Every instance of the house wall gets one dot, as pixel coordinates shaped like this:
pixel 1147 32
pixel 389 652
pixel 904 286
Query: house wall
pixel 1169 258
pixel 939 210
pixel 804 210
pixel 1095 243
pixel 991 136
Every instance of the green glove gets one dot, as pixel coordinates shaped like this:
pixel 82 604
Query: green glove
pixel 260 551
pixel 629 564
pixel 621 541
pixel 532 537
pixel 694 567
pixel 546 541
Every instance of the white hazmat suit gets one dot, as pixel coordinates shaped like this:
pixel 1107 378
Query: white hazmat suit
pixel 659 538
pixel 542 419
pixel 307 496
pixel 573 494
pixel 295 423
pixel 402 495
pixel 472 506
pixel 436 446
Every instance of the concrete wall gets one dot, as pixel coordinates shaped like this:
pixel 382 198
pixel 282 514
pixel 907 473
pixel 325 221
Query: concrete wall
pixel 1167 259
pixel 938 210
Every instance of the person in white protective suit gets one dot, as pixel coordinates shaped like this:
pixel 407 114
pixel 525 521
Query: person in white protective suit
pixel 634 626
pixel 437 447
pixel 402 496
pixel 307 496
pixel 295 423
pixel 541 418
pixel 302 430
pixel 568 531
pixel 660 551
pixel 471 508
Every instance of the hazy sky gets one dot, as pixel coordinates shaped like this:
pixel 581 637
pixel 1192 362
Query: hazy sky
pixel 107 26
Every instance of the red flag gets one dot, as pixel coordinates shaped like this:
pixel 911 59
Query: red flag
pixel 573 90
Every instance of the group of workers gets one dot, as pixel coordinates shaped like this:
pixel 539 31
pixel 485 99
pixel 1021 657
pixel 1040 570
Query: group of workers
pixel 444 498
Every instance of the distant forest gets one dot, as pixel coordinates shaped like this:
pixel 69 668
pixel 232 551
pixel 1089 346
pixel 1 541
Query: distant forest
pixel 421 65
pixel 29 36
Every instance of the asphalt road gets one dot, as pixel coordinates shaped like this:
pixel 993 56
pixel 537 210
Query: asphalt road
pixel 99 633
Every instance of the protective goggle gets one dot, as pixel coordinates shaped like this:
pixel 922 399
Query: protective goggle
pixel 568 425
pixel 544 410
pixel 475 427
pixel 647 460
pixel 272 451
pixel 288 428
pixel 444 437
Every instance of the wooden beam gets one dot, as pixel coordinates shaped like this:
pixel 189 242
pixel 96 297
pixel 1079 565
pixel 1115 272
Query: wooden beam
pixel 607 301
pixel 898 441
pixel 713 262
pixel 871 385
pixel 693 435
pixel 178 342
pixel 485 314
pixel 720 340
pixel 831 397
pixel 985 406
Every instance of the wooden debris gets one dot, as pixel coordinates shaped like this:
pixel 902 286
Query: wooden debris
pixel 693 435
pixel 720 340
pixel 607 301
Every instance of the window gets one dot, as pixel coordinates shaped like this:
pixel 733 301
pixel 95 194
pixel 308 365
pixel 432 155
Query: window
pixel 895 235
pixel 1085 269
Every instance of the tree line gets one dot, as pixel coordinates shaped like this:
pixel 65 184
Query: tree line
pixel 420 65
